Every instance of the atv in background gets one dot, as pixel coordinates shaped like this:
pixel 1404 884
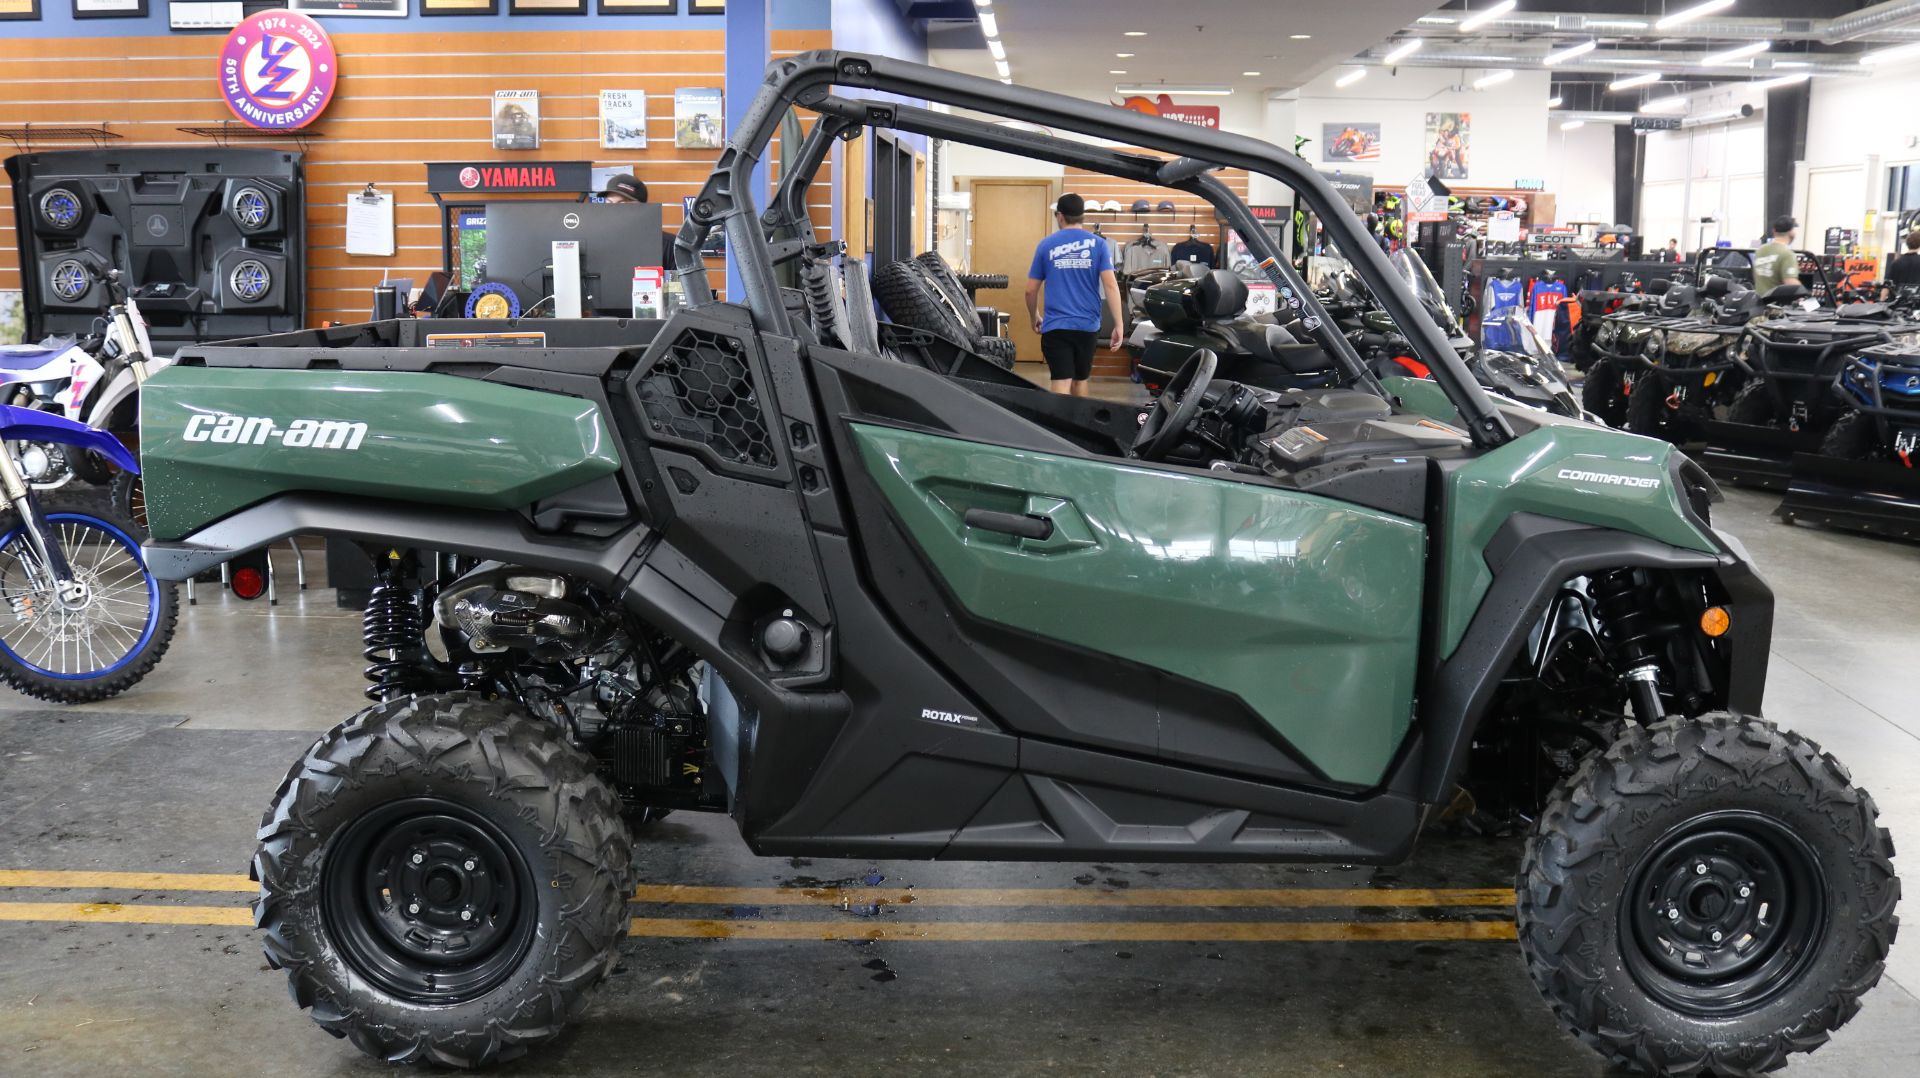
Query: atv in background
pixel 1690 370
pixel 1864 478
pixel 1787 403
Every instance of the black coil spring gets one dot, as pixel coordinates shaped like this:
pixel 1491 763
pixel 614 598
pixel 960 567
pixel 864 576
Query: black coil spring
pixel 1625 621
pixel 390 630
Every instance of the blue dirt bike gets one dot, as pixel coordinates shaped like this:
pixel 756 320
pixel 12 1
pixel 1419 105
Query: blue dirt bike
pixel 81 618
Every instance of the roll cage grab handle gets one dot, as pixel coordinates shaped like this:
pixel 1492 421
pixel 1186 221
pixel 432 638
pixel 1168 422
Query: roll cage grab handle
pixel 805 80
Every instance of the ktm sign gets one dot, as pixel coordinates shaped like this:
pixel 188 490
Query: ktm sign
pixel 1207 116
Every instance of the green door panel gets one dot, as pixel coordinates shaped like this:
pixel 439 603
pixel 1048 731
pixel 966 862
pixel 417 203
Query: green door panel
pixel 1306 608
pixel 1423 395
pixel 1569 471
pixel 215 439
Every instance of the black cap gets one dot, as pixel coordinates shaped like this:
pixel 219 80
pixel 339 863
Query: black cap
pixel 625 185
pixel 1071 205
pixel 1784 224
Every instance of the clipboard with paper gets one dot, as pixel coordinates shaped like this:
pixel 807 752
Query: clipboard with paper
pixel 370 222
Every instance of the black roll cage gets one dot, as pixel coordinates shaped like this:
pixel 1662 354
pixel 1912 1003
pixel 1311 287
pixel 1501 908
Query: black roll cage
pixel 806 81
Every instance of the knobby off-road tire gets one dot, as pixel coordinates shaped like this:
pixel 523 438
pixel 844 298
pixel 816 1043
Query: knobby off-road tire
pixel 128 496
pixel 1646 411
pixel 1600 393
pixel 1854 436
pixel 999 350
pixel 460 781
pixel 1753 405
pixel 912 299
pixel 1614 865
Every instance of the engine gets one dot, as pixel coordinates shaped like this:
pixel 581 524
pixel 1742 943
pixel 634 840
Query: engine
pixel 565 651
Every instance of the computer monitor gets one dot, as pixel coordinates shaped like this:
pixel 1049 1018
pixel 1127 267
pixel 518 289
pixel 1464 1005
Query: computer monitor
pixel 614 237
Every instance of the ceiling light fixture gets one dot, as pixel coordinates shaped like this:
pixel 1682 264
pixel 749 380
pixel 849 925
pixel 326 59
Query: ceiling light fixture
pixel 998 50
pixel 1123 55
pixel 989 25
pixel 1435 20
pixel 1570 52
pixel 1615 24
pixel 1754 48
pixel 1002 68
pixel 1898 52
pixel 1116 71
pixel 1301 37
pixel 1573 125
pixel 1168 88
pixel 1717 114
pixel 1493 79
pixel 1687 15
pixel 1555 101
pixel 1402 51
pixel 1481 18
pixel 1135 33
pixel 1350 78
pixel 1775 84
pixel 1250 74
pixel 1675 103
pixel 1631 81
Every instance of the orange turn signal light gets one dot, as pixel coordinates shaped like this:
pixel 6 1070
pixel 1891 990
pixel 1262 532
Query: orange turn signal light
pixel 1715 621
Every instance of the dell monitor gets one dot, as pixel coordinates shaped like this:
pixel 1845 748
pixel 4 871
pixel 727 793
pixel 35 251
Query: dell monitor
pixel 614 237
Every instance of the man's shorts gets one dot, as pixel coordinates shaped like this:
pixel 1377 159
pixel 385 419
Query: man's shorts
pixel 1069 353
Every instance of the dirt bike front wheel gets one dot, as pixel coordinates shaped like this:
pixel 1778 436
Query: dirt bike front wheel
pixel 103 636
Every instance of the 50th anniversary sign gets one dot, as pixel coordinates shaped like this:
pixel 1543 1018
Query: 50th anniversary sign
pixel 278 70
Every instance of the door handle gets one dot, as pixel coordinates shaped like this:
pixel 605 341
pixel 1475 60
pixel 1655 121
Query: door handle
pixel 1023 525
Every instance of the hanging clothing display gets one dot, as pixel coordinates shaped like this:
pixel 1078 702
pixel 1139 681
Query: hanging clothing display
pixel 1502 298
pixel 1192 250
pixel 1144 253
pixel 1543 300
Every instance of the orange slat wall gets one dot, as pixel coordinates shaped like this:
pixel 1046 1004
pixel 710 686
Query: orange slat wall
pixel 404 99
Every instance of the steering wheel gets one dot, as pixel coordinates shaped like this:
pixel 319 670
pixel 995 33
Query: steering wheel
pixel 1166 423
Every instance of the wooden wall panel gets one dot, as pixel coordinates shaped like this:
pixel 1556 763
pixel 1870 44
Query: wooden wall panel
pixel 404 99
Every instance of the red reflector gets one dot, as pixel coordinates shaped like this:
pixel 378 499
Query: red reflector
pixel 249 583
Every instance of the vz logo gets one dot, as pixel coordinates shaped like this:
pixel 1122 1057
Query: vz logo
pixel 273 74
pixel 1609 479
pixel 258 430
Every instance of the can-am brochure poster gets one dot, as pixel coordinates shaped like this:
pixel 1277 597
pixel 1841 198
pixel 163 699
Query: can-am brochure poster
pixel 516 119
pixel 698 121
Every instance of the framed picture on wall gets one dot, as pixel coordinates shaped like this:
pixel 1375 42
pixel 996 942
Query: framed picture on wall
pixel 351 9
pixel 20 9
pixel 459 7
pixel 639 7
pixel 109 9
pixel 706 7
pixel 546 7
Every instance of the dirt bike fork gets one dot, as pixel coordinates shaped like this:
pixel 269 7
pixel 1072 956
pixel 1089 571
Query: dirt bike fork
pixel 33 522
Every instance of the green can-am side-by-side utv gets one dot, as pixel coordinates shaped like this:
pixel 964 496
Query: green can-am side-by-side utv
pixel 748 560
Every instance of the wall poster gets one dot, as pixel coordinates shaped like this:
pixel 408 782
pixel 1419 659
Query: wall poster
pixel 698 122
pixel 1349 142
pixel 623 119
pixel 1449 135
pixel 109 9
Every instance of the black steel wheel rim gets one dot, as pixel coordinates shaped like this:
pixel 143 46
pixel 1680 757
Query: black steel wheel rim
pixel 1723 913
pixel 429 900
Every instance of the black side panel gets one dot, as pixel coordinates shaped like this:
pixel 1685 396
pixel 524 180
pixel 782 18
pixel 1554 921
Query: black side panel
pixel 1531 557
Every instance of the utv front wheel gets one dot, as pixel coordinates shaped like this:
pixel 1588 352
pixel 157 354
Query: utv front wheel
pixel 443 878
pixel 1710 894
pixel 1604 392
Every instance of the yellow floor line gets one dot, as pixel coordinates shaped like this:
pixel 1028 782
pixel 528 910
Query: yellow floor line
pixel 1080 931
pixel 690 894
pixel 127 881
pixel 116 913
pixel 1259 897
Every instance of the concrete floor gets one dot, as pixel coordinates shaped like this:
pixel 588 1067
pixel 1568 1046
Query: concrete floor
pixel 824 966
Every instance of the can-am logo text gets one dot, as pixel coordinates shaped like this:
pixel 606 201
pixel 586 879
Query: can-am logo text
pixel 259 430
pixel 1609 479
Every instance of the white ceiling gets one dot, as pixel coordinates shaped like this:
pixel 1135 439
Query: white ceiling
pixel 1069 46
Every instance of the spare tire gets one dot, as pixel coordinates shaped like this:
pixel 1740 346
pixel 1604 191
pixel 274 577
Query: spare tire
pixel 949 283
pixel 911 298
pixel 999 350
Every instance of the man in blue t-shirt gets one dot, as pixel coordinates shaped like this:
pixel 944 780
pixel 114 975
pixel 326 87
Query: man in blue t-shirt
pixel 1076 266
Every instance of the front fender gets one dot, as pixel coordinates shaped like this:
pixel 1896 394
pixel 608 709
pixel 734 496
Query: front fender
pixel 31 425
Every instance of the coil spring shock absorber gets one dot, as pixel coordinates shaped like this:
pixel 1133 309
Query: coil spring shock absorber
pixel 1628 628
pixel 391 631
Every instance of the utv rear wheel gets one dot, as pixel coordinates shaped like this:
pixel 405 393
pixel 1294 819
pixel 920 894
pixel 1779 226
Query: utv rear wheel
pixel 1647 412
pixel 1709 894
pixel 1603 393
pixel 443 878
